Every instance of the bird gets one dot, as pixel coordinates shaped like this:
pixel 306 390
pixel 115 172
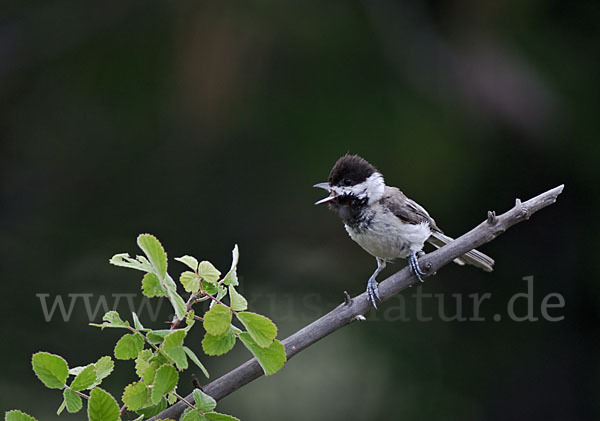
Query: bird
pixel 384 221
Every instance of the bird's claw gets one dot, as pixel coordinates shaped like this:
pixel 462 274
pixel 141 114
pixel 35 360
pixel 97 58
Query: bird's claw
pixel 373 292
pixel 413 262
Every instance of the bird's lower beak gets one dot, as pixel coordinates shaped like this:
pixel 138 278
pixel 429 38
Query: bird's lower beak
pixel 325 186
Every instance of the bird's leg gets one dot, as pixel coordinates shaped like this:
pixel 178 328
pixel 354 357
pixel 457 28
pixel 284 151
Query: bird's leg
pixel 372 289
pixel 414 266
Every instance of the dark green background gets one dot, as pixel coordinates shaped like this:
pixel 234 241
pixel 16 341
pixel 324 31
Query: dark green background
pixel 207 123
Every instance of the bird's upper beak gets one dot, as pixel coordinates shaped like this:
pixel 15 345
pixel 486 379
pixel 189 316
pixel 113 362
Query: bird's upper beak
pixel 327 187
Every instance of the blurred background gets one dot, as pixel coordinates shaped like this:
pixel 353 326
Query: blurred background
pixel 207 123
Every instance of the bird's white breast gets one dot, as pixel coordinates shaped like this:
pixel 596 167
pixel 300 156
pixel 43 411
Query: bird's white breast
pixel 387 237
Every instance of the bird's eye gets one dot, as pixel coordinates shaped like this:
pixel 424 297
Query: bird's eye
pixel 346 182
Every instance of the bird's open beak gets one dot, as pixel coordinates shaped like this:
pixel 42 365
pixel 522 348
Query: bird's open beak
pixel 325 186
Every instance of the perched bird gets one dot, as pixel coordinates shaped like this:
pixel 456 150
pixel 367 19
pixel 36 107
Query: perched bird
pixel 383 221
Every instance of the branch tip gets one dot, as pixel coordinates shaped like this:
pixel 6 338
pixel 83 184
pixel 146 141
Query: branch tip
pixel 347 299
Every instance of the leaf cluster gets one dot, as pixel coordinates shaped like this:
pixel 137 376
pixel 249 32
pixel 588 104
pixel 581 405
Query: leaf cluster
pixel 160 355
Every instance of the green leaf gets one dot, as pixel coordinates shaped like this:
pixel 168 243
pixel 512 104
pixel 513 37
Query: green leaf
pixel 221 292
pixel 136 322
pixel 142 364
pixel 153 410
pixel 129 346
pixel 190 281
pixel 209 288
pixel 189 320
pixel 51 369
pixel 135 396
pixel 204 402
pixel 172 347
pixel 84 379
pixel 155 253
pixel 195 359
pixel 189 261
pixel 62 407
pixel 231 277
pixel 262 329
pixel 215 416
pixel 112 319
pixel 123 260
pixel 157 336
pixel 177 303
pixel 72 401
pixel 217 319
pixel 102 406
pixel 208 272
pixel 151 286
pixel 16 415
pixel 218 345
pixel 271 359
pixel 165 380
pixel 192 415
pixel 104 366
pixel 236 300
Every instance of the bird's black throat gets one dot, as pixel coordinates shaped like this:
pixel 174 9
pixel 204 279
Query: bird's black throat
pixel 353 211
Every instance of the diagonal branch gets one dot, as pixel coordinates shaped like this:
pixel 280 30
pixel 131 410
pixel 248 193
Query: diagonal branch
pixel 359 305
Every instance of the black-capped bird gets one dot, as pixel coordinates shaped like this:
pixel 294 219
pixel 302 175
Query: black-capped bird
pixel 383 221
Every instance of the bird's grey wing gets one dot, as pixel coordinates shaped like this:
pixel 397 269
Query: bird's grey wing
pixel 406 209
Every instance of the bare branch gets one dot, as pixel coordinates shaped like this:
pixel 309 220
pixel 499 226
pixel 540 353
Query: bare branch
pixel 353 309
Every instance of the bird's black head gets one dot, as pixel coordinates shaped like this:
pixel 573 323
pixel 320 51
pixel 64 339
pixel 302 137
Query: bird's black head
pixel 350 170
pixel 353 184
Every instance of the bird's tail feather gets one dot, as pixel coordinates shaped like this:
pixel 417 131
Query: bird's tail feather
pixel 473 257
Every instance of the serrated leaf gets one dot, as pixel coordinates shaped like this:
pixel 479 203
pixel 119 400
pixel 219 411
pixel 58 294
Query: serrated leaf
pixel 155 253
pixel 142 362
pixel 172 347
pixel 236 300
pixel 177 303
pixel 123 260
pixel 216 416
pixel 153 410
pixel 189 261
pixel 190 281
pixel 137 324
pixel 157 336
pixel 165 380
pixel 72 401
pixel 218 345
pixel 208 272
pixel 151 286
pixel 16 415
pixel 171 398
pixel 203 402
pixel 271 359
pixel 195 359
pixel 217 320
pixel 104 366
pixel 129 346
pixel 262 329
pixel 51 369
pixel 112 319
pixel 135 396
pixel 84 379
pixel 102 406
pixel 192 415
pixel 231 277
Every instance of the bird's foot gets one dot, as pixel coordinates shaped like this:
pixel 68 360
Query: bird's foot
pixel 373 292
pixel 413 262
